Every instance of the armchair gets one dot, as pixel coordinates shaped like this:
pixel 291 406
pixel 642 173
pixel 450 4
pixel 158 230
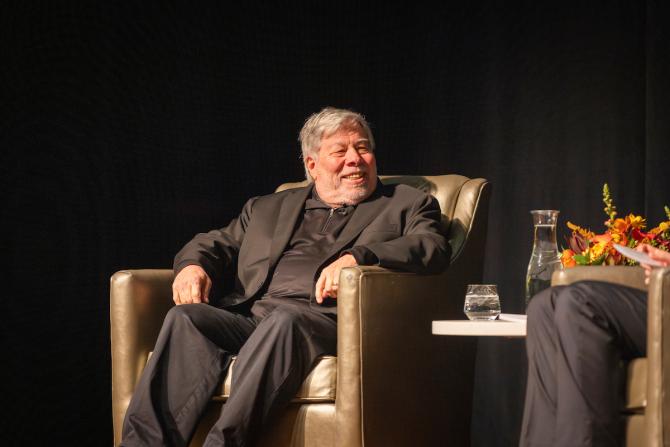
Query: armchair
pixel 392 382
pixel 647 406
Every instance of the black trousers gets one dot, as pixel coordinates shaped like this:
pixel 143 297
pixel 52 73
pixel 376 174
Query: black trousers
pixel 276 347
pixel 578 338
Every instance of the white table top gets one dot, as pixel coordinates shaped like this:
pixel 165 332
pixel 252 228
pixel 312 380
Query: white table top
pixel 507 325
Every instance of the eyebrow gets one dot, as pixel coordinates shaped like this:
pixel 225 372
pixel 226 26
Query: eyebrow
pixel 340 143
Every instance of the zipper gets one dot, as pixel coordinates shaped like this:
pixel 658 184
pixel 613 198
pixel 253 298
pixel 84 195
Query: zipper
pixel 325 225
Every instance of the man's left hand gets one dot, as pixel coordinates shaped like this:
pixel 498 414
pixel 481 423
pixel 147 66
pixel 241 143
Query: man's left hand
pixel 655 254
pixel 327 284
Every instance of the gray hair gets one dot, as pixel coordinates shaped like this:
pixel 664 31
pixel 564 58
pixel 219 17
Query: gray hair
pixel 325 123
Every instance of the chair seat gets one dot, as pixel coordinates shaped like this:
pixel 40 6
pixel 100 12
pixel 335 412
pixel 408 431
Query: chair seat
pixel 636 386
pixel 319 386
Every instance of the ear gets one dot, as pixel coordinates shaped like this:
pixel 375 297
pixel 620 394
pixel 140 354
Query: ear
pixel 310 164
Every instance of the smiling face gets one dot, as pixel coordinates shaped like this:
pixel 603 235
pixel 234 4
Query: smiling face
pixel 345 169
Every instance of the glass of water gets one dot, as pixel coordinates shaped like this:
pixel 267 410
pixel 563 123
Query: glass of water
pixel 482 302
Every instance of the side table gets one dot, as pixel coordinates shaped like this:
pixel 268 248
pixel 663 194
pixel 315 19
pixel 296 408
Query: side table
pixel 507 325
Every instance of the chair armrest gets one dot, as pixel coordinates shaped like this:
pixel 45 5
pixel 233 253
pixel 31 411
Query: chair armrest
pixel 657 412
pixel 390 374
pixel 616 274
pixel 139 300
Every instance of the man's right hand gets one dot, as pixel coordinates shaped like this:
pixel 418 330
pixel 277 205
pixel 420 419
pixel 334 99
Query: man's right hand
pixel 191 285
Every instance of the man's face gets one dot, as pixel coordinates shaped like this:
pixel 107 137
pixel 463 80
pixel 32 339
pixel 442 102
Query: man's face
pixel 345 171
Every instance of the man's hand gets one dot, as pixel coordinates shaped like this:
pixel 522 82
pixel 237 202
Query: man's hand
pixel 191 285
pixel 327 284
pixel 655 254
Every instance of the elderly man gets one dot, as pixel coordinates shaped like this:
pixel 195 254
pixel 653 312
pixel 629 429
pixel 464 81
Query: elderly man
pixel 577 337
pixel 264 288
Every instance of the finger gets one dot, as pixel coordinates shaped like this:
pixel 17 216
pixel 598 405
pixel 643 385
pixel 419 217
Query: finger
pixel 336 276
pixel 195 292
pixel 336 282
pixel 656 255
pixel 208 288
pixel 175 294
pixel 319 289
pixel 328 283
pixel 185 294
pixel 180 297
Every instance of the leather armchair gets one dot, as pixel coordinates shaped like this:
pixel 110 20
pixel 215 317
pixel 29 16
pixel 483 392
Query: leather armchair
pixel 647 406
pixel 392 382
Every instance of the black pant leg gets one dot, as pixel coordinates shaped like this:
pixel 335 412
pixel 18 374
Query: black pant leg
pixel 539 416
pixel 192 352
pixel 598 325
pixel 595 326
pixel 270 369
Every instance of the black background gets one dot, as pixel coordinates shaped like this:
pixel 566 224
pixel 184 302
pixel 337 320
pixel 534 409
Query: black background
pixel 128 127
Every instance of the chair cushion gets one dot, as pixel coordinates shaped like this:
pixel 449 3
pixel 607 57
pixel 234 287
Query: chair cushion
pixel 319 386
pixel 636 386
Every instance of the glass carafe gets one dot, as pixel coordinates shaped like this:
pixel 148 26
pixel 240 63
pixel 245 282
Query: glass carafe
pixel 545 257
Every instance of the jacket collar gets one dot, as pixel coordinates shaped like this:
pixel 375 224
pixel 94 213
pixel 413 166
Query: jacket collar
pixel 289 212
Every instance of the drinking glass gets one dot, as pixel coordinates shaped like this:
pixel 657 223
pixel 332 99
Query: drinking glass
pixel 482 302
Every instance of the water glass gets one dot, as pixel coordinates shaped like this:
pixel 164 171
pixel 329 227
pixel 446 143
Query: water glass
pixel 482 302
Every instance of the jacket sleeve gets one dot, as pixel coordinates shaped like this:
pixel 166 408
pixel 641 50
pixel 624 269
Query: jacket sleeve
pixel 217 250
pixel 422 247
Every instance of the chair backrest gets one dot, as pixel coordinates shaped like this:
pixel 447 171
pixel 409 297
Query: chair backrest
pixel 460 199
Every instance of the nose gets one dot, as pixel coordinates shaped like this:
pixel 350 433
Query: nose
pixel 353 158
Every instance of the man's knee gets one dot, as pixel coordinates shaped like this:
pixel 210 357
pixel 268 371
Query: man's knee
pixel 193 314
pixel 181 311
pixel 287 317
pixel 577 301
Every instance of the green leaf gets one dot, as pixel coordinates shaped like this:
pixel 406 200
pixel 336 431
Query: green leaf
pixel 581 259
pixel 599 261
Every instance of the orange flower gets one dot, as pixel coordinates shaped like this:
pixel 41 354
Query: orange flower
pixel 620 226
pixel 634 221
pixel 614 257
pixel 581 231
pixel 604 238
pixel 566 258
pixel 597 251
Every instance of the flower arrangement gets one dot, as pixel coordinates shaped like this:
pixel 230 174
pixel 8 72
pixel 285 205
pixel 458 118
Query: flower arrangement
pixel 588 248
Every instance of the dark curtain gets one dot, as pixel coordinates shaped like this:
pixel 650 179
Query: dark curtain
pixel 128 127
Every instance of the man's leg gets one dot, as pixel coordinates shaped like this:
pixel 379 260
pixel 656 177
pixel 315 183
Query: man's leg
pixel 539 415
pixel 594 327
pixel 598 326
pixel 192 352
pixel 270 368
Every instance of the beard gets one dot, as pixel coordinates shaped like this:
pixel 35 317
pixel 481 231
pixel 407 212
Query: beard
pixel 344 196
pixel 356 195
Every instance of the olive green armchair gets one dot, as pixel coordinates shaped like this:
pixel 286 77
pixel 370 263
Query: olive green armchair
pixel 391 384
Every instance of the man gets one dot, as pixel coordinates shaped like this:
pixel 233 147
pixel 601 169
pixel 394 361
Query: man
pixel 277 267
pixel 577 337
